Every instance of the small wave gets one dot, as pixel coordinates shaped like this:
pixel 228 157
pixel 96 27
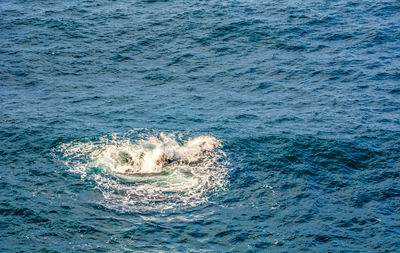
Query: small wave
pixel 150 171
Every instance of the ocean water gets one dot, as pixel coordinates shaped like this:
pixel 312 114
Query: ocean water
pixel 199 126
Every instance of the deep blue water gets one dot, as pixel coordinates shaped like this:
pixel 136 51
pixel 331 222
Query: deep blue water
pixel 303 96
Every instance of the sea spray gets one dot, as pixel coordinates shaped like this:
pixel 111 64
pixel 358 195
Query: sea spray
pixel 150 171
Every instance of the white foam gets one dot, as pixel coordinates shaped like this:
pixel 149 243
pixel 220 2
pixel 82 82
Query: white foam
pixel 154 171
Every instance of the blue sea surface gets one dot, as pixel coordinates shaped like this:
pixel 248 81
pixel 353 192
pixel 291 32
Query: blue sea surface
pixel 278 121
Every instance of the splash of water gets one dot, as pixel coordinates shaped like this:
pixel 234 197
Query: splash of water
pixel 150 171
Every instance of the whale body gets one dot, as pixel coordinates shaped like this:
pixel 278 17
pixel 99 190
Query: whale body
pixel 155 155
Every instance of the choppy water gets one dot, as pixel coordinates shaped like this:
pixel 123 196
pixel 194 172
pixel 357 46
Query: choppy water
pixel 200 126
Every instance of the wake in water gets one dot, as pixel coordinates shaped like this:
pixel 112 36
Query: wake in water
pixel 150 171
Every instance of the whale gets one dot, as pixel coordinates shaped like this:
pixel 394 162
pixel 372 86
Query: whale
pixel 149 171
pixel 155 155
